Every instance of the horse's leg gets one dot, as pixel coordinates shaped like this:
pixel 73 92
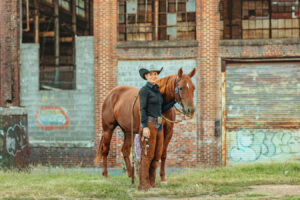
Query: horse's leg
pixel 126 152
pixel 106 138
pixel 168 132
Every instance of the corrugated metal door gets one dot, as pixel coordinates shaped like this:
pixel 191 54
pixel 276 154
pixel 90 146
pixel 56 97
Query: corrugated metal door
pixel 262 111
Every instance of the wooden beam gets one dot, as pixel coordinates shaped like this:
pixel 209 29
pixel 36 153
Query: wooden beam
pixel 66 39
pixel 47 34
pixel 87 16
pixel 156 19
pixel 74 17
pixel 56 30
pixel 91 17
pixel 74 31
pixel 27 17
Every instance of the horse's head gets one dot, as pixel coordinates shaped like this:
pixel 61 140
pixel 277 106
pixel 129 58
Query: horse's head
pixel 184 91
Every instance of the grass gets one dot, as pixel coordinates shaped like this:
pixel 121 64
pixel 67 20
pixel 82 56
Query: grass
pixel 193 182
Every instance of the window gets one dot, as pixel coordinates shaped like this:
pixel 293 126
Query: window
pixel 148 20
pixel 260 19
pixel 80 8
pixel 53 24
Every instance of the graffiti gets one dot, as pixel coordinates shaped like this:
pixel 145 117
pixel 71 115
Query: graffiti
pixel 49 118
pixel 15 139
pixel 261 145
pixel 1 143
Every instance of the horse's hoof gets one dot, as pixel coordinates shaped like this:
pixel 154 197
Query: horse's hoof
pixel 164 183
pixel 104 175
pixel 144 187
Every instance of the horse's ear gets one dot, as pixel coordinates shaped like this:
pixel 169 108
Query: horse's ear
pixel 192 73
pixel 180 72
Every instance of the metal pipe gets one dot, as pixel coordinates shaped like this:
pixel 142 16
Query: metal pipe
pixel 56 30
pixel 74 30
pixel 224 156
pixel 36 21
pixel 156 19
pixel 27 17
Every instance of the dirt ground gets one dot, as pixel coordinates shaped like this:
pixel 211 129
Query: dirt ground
pixel 253 192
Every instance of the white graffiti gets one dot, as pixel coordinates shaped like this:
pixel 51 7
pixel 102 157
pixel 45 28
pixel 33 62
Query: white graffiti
pixel 254 145
pixel 12 139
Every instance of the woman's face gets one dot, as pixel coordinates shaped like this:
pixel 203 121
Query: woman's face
pixel 151 77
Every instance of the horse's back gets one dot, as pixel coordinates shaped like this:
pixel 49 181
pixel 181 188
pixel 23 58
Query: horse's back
pixel 117 106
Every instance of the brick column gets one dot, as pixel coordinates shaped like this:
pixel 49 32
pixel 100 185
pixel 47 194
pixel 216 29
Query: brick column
pixel 105 38
pixel 9 52
pixel 207 17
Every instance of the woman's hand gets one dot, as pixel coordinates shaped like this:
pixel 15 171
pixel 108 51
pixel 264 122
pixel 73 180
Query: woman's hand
pixel 146 132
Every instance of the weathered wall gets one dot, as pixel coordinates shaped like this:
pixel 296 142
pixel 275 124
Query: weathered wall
pixel 182 148
pixel 14 146
pixel 208 63
pixel 260 48
pixel 248 145
pixel 263 145
pixel 60 119
pixel 105 38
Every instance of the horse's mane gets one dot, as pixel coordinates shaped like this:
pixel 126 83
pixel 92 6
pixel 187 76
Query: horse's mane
pixel 166 85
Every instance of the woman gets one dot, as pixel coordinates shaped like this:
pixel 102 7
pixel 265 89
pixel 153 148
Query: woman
pixel 151 138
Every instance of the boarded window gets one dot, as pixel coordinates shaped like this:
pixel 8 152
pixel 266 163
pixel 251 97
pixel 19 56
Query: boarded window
pixel 259 19
pixel 53 24
pixel 175 20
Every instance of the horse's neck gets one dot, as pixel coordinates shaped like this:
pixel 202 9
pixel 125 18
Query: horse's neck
pixel 167 87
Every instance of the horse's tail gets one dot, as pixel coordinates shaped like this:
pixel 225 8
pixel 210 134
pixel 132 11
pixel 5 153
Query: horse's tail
pixel 99 153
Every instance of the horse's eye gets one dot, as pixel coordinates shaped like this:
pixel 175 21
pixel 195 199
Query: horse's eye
pixel 180 88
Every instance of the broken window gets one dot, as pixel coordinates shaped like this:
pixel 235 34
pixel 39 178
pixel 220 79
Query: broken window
pixel 259 19
pixel 53 24
pixel 147 20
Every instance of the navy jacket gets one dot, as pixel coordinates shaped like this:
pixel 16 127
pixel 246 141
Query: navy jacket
pixel 151 103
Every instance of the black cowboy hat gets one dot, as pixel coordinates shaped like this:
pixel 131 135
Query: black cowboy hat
pixel 152 68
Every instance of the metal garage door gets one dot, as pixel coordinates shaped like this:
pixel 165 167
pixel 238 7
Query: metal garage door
pixel 262 116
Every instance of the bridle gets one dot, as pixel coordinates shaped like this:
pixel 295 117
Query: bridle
pixel 178 100
pixel 177 95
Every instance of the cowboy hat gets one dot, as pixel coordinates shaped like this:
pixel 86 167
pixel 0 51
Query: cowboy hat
pixel 151 68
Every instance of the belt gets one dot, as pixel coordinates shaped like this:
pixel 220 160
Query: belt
pixel 155 121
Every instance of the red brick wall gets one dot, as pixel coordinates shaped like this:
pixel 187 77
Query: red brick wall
pixel 207 18
pixel 9 52
pixel 105 38
pixel 62 156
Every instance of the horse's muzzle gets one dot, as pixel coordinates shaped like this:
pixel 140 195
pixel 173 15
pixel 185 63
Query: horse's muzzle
pixel 189 111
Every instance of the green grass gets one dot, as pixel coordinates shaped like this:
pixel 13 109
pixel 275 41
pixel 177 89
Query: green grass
pixel 292 198
pixel 193 182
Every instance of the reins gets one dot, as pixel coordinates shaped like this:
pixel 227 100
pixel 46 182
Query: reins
pixel 177 121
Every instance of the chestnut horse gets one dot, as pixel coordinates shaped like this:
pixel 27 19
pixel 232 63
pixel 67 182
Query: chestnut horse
pixel 117 110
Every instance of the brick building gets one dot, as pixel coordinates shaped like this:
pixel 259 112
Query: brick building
pixel 71 53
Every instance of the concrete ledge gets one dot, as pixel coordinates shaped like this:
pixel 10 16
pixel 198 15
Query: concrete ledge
pixel 157 44
pixel 60 144
pixel 13 110
pixel 260 42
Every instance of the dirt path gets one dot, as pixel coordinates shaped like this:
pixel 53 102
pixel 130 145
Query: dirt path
pixel 252 192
